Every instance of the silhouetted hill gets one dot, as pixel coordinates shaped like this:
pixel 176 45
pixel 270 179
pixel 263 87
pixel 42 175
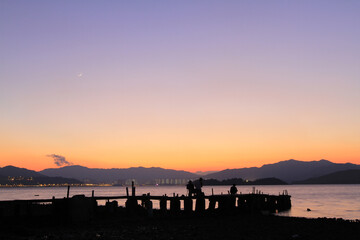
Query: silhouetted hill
pixel 2 178
pixel 98 175
pixel 15 171
pixel 342 177
pixel 11 175
pixel 201 173
pixel 289 171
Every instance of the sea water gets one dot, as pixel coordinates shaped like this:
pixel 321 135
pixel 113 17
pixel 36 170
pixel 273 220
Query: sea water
pixel 331 201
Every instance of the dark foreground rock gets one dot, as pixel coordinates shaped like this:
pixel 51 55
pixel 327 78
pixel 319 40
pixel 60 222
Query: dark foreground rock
pixel 204 227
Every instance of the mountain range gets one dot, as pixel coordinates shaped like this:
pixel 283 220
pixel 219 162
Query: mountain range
pixel 98 175
pixel 289 171
pixel 343 177
pixel 11 175
pixel 15 171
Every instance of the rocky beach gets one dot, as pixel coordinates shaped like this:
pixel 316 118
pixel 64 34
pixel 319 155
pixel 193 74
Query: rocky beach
pixel 244 227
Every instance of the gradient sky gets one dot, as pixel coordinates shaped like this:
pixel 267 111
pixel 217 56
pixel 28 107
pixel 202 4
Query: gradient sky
pixel 192 85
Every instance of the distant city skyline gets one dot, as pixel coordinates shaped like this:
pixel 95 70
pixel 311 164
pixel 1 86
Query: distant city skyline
pixel 196 86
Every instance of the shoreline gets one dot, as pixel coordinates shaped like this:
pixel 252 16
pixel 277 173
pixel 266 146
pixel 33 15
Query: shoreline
pixel 245 227
pixel 164 185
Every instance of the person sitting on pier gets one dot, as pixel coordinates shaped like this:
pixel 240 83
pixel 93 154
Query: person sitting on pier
pixel 198 186
pixel 190 188
pixel 233 189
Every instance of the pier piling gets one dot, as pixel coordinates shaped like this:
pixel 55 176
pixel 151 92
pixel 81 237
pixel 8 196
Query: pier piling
pixel 163 204
pixel 133 189
pixel 68 192
pixel 188 204
pixel 200 204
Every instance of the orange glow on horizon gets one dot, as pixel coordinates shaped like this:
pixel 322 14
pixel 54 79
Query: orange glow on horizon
pixel 189 148
pixel 37 163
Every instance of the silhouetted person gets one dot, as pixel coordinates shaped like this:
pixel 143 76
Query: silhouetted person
pixel 233 189
pixel 198 186
pixel 190 188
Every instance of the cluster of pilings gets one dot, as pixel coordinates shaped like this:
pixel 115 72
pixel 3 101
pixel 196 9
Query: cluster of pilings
pixel 221 203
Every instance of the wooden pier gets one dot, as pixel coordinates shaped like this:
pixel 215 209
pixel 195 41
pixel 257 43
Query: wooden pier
pixel 81 209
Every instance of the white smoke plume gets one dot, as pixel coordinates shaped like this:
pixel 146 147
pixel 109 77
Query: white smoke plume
pixel 59 160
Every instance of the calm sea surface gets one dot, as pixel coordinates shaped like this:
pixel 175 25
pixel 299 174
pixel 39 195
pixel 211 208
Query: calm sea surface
pixel 332 201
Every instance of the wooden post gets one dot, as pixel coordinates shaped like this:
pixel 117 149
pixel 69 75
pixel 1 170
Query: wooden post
pixel 175 205
pixel 92 193
pixel 127 191
pixel 200 204
pixel 68 192
pixel 163 203
pixel 131 204
pixel 233 202
pixel 212 203
pixel 188 204
pixel 212 191
pixel 149 207
pixel 132 188
pixel 222 203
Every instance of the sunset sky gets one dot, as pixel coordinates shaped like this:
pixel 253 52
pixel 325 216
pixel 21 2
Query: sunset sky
pixel 191 85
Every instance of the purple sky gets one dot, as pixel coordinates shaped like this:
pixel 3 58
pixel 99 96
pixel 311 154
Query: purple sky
pixel 167 83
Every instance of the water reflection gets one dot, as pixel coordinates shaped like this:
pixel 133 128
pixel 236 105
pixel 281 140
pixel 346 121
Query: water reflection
pixel 339 201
